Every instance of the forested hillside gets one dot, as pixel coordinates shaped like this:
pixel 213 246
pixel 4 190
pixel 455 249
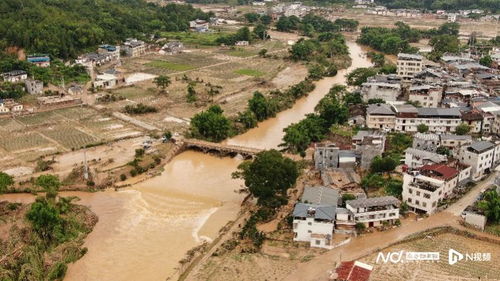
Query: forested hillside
pixel 492 5
pixel 65 28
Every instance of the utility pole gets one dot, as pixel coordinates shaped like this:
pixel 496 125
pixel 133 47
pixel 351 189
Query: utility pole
pixel 85 165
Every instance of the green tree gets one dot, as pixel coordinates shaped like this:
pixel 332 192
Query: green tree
pixel 6 181
pixel 443 44
pixel 382 164
pixel 191 93
pixel 211 124
pixel 375 101
pixel 162 82
pixel 360 75
pixel 252 17
pixel 394 188
pixel 490 205
pixel 50 184
pixel 360 227
pixel 268 176
pixel 462 129
pixel 262 53
pixel 372 181
pixel 247 118
pixel 261 32
pixel 486 61
pixel 260 106
pixel 422 128
pixel 443 150
pixel 303 50
pixel 44 218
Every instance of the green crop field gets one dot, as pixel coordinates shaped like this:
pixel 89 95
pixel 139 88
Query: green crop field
pixel 249 72
pixel 40 118
pixel 194 38
pixel 170 65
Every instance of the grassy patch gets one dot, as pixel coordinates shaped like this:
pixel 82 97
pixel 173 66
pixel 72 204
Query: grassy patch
pixel 170 65
pixel 344 131
pixel 249 72
pixel 243 53
pixel 194 38
pixel 493 229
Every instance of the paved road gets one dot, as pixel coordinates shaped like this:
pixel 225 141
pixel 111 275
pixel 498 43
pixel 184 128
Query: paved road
pixel 458 207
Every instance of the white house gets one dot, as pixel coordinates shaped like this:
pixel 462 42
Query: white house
pixel 480 156
pixel 408 65
pixel 374 211
pixel 15 76
pixel 9 105
pixel 105 81
pixel 134 48
pixel 426 95
pixel 314 216
pixel 380 116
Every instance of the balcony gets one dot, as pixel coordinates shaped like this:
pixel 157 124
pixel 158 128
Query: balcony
pixel 377 215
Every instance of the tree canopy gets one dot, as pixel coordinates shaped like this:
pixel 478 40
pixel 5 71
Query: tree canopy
pixel 65 28
pixel 211 124
pixel 268 176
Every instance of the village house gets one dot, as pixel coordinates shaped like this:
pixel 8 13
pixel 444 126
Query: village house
pixel 111 50
pixel 105 81
pixel 173 47
pixel 429 76
pixel 408 65
pixel 10 106
pixel 374 211
pixel 454 142
pixel 425 188
pixel 57 101
pixel 33 87
pixel 242 43
pixel 357 120
pixel 326 156
pixel 380 116
pixel 75 90
pixel 439 120
pixel 351 271
pixel 314 216
pixel 428 142
pixel 480 156
pixel 93 59
pixel 15 76
pixel 39 60
pixel 473 118
pixel 199 25
pixel 415 158
pixel 133 47
pixel 426 95
pixel 368 144
pixel 385 87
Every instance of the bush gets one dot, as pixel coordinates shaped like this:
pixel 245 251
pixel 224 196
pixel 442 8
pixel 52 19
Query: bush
pixel 140 109
pixel 139 152
pixel 123 177
pixel 360 227
pixel 133 173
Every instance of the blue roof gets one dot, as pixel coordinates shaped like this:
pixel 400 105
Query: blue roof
pixel 38 59
pixel 109 48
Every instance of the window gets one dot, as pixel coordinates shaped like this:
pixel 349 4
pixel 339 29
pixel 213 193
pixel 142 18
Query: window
pixel 409 200
pixel 309 231
pixel 418 193
pixel 309 223
pixel 424 204
pixel 318 242
pixel 295 225
pixel 417 202
pixel 410 191
pixel 427 195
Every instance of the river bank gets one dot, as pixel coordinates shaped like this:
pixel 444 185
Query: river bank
pixel 145 229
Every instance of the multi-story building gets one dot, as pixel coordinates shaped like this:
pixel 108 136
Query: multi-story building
pixel 111 50
pixel 415 158
pixel 424 189
pixel 408 65
pixel 454 142
pixel 314 216
pixel 429 142
pixel 368 144
pixel 326 156
pixel 15 76
pixel 473 118
pixel 385 87
pixel 33 87
pixel 374 211
pixel 426 95
pixel 480 156
pixel 134 48
pixel 380 116
pixel 438 120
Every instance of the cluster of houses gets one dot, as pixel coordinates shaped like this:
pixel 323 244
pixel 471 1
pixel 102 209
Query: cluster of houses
pixel 458 91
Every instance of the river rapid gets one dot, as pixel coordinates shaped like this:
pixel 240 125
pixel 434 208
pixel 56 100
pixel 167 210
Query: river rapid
pixel 144 230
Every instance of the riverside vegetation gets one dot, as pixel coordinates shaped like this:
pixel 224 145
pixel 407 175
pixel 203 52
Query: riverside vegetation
pixel 44 236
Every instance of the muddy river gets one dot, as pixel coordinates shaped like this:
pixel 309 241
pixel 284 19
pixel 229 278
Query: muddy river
pixel 143 231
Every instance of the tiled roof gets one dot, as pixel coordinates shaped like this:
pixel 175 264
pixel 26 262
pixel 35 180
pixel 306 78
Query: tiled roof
pixel 375 201
pixel 322 212
pixel 320 195
pixel 380 109
pixel 353 271
pixel 441 170
pixel 481 146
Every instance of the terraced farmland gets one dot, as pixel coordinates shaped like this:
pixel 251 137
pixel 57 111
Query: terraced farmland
pixel 442 270
pixel 70 137
pixel 27 141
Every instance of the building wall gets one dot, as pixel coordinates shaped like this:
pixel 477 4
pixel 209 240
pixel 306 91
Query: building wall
pixel 479 162
pixel 408 68
pixel 304 228
pixel 326 157
pixel 380 122
pixel 373 91
pixel 362 215
pixel 437 125
pixel 433 99
pixel 421 199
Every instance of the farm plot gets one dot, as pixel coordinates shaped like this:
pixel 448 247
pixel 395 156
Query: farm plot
pixel 10 125
pixel 70 137
pixel 76 113
pixel 109 128
pixel 12 143
pixel 441 270
pixel 40 118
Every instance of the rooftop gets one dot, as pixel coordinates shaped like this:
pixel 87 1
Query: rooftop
pixel 439 170
pixel 455 137
pixel 321 212
pixel 439 112
pixel 380 109
pixel 353 271
pixel 410 56
pixel 422 136
pixel 434 157
pixel 481 146
pixel 373 202
pixel 320 195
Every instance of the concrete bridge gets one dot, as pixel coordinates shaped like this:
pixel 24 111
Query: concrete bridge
pixel 223 149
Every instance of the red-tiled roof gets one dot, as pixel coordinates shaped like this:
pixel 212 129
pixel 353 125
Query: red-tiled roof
pixel 350 271
pixel 446 172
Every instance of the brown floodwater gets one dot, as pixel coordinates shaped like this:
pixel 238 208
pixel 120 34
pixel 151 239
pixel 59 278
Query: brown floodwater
pixel 144 230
